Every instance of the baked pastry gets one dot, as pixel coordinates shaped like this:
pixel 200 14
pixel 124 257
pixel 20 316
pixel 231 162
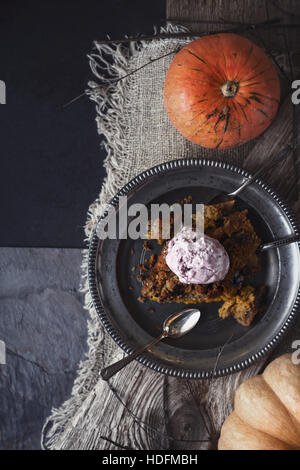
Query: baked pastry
pixel 235 232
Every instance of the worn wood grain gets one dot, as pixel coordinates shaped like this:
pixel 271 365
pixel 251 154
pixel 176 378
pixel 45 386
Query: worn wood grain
pixel 283 45
pixel 285 177
pixel 145 410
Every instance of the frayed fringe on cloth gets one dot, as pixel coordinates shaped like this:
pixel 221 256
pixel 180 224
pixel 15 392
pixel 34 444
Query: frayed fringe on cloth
pixel 109 64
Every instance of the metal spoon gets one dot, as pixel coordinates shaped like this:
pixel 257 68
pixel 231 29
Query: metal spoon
pixel 175 326
pixel 279 242
pixel 229 197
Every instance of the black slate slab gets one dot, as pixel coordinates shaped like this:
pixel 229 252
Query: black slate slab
pixel 44 327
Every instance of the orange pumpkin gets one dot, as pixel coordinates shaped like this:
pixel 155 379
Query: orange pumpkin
pixel 221 90
pixel 266 412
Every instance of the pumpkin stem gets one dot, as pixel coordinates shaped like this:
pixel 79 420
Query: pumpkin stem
pixel 230 89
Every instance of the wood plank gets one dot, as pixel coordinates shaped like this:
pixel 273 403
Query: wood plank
pixel 164 412
pixel 283 46
pixel 278 41
pixel 233 12
pixel 285 177
pixel 220 400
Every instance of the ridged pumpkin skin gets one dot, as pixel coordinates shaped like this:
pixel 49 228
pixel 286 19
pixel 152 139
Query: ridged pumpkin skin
pixel 266 412
pixel 221 90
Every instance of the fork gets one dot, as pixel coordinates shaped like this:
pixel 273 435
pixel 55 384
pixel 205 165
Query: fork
pixel 229 197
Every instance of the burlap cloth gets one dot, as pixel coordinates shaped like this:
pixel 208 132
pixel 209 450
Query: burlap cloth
pixel 138 135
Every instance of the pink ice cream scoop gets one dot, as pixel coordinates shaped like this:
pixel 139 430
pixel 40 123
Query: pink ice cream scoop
pixel 196 258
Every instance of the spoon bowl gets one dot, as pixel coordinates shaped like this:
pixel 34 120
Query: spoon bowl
pixel 178 324
pixel 175 326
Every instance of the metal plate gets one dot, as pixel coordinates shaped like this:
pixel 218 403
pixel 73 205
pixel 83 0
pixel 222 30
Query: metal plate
pixel 132 325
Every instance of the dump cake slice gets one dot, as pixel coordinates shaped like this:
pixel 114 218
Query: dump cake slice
pixel 235 232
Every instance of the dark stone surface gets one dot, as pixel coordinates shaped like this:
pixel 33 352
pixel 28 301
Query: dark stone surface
pixel 51 160
pixel 43 324
pixel 51 170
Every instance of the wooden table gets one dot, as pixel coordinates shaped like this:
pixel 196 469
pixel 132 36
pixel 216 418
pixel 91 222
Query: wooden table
pixel 194 410
pixel 146 410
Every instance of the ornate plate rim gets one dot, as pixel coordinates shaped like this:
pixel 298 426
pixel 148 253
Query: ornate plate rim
pixel 92 271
